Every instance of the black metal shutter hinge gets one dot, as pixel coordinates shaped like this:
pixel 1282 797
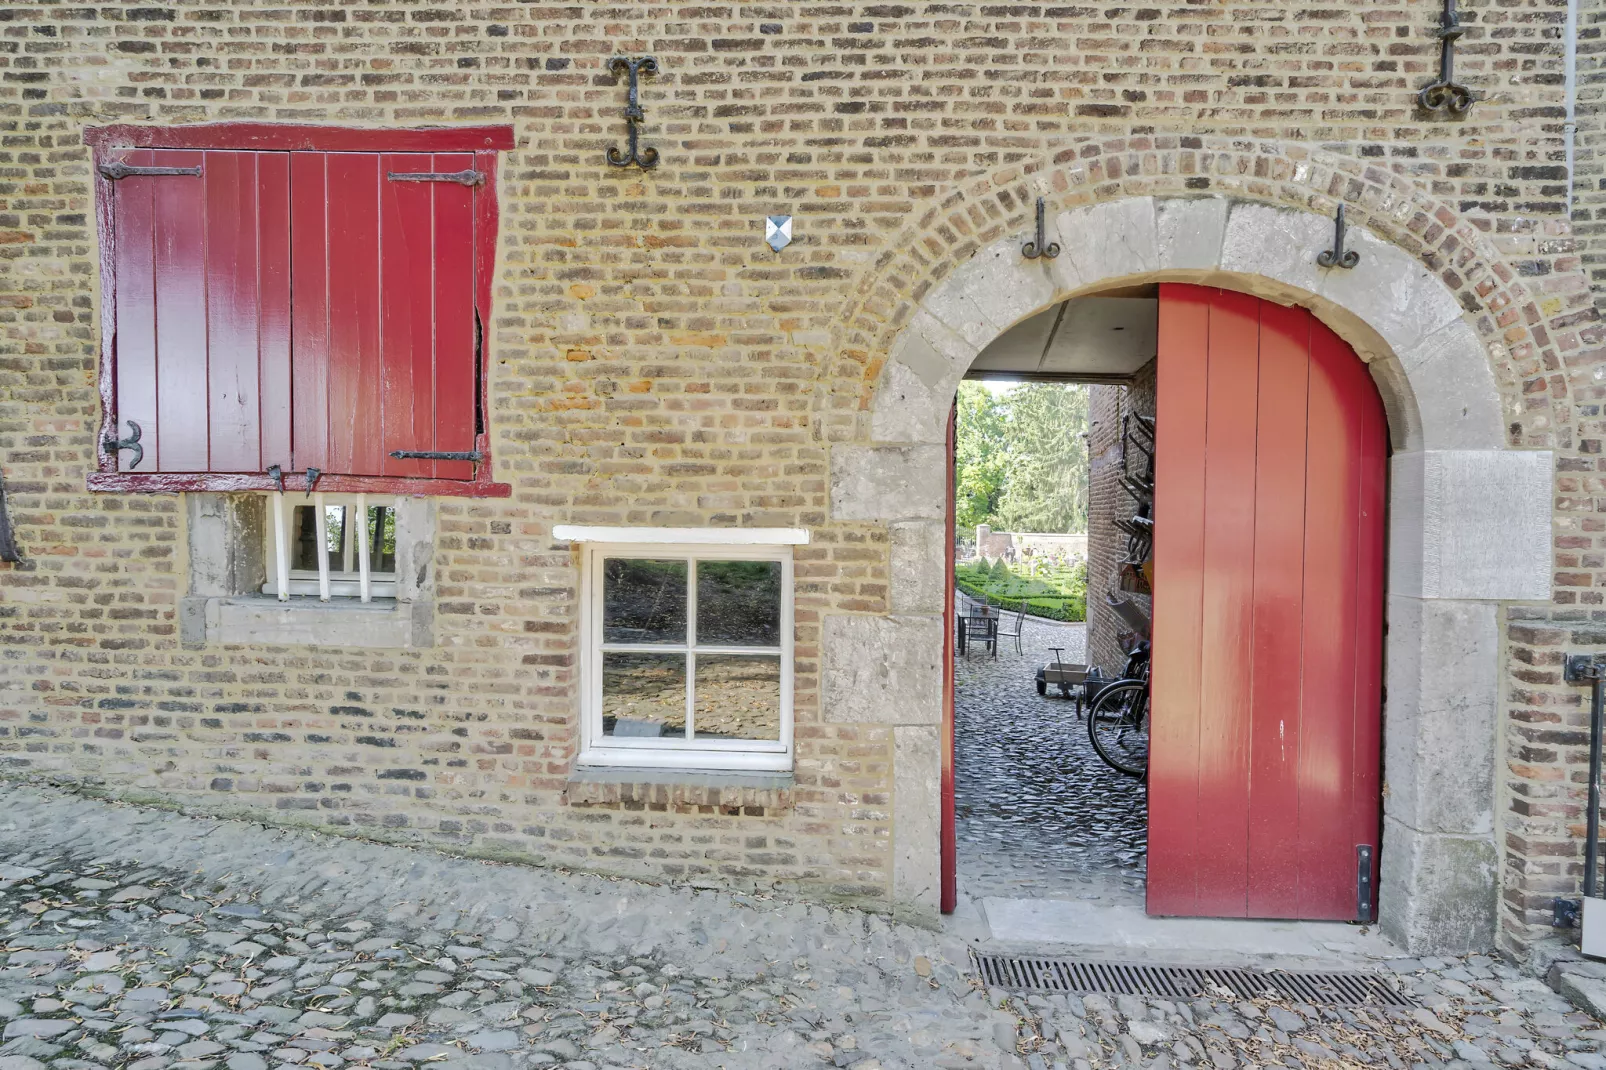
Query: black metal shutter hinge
pixel 466 177
pixel 118 170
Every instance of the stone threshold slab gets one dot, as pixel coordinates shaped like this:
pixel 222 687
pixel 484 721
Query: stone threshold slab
pixel 1121 931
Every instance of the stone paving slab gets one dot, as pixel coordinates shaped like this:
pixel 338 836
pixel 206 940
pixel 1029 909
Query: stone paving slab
pixel 146 939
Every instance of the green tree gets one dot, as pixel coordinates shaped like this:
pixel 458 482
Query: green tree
pixel 981 456
pixel 1046 488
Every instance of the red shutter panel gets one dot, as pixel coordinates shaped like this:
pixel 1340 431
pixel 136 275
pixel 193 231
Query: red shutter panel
pixel 202 305
pixel 384 306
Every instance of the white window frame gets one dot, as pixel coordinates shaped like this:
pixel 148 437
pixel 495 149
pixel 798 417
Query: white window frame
pixel 598 750
pixel 327 582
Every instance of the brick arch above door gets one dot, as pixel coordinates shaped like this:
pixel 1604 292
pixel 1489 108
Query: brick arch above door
pixel 1469 522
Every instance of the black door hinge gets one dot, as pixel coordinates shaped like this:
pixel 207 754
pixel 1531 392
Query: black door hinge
pixel 1363 882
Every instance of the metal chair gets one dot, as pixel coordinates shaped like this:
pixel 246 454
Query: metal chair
pixel 1014 633
pixel 978 627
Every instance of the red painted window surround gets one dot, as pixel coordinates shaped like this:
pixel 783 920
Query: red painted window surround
pixel 302 210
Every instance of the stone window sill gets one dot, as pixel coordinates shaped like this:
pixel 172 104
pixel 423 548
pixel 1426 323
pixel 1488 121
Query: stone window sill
pixel 263 620
pixel 753 794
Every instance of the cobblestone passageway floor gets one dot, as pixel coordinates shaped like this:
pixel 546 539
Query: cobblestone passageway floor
pixel 1037 813
pixel 144 939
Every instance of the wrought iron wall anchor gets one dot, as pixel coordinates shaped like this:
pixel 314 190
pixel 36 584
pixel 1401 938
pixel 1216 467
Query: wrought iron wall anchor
pixel 647 158
pixel 312 479
pixel 1447 96
pixel 116 445
pixel 276 473
pixel 1338 256
pixel 1042 246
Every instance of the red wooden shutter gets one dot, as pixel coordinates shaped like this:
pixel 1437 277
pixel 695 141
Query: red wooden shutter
pixel 202 310
pixel 385 338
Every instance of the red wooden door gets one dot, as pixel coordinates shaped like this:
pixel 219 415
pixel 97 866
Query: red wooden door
pixel 1268 611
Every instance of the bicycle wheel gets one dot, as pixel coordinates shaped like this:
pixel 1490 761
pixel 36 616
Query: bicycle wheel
pixel 1118 726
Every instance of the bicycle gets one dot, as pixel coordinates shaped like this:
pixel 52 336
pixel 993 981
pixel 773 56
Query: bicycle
pixel 1118 717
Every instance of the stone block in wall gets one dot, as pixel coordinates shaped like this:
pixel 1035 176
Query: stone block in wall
pixel 919 571
pixel 1440 749
pixel 888 482
pixel 881 670
pixel 916 823
pixel 1439 892
pixel 1483 520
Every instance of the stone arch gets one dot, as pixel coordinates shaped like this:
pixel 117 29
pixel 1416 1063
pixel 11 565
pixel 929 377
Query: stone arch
pixel 1469 515
pixel 1528 336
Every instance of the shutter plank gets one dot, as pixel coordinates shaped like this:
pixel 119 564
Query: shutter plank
pixel 408 273
pixel 232 320
pixel 180 270
pixel 273 306
pixel 456 380
pixel 134 235
pixel 356 400
pixel 309 319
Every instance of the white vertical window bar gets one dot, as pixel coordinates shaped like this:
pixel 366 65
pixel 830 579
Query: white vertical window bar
pixel 281 547
pixel 360 532
pixel 691 647
pixel 323 547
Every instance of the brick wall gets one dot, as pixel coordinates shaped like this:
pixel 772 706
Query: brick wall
pixel 652 362
pixel 1106 546
pixel 1589 182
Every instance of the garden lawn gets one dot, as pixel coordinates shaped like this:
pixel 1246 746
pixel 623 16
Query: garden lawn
pixel 1058 592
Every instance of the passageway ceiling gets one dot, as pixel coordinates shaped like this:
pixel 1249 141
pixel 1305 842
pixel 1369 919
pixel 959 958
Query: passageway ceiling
pixel 1101 338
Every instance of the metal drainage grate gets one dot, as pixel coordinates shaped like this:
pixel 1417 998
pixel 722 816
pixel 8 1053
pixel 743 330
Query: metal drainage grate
pixel 1186 982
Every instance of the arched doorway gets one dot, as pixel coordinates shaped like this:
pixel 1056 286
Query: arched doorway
pixel 1266 516
pixel 1469 519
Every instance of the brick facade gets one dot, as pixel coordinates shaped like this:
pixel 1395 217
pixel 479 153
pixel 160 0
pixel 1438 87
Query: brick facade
pixel 652 362
pixel 1106 547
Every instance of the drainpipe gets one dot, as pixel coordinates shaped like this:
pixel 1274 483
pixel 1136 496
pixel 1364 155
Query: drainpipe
pixel 1570 125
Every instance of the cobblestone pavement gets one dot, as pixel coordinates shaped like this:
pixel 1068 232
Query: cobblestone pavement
pixel 1037 813
pixel 139 938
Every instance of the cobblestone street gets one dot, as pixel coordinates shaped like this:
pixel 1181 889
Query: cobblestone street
pixel 144 939
pixel 1038 814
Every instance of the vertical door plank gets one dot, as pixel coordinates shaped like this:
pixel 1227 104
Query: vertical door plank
pixel 1327 766
pixel 948 838
pixel 231 322
pixel 273 306
pixel 406 390
pixel 180 269
pixel 456 376
pixel 134 235
pixel 1367 799
pixel 356 249
pixel 1279 517
pixel 1229 548
pixel 1182 373
pixel 309 321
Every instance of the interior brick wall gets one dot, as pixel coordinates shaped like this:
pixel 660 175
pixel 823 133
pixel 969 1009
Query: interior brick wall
pixel 1107 501
pixel 651 361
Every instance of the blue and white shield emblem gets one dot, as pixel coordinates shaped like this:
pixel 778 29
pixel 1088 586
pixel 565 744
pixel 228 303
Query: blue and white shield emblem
pixel 778 231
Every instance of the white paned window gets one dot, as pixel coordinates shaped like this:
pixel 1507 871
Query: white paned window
pixel 330 546
pixel 687 661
